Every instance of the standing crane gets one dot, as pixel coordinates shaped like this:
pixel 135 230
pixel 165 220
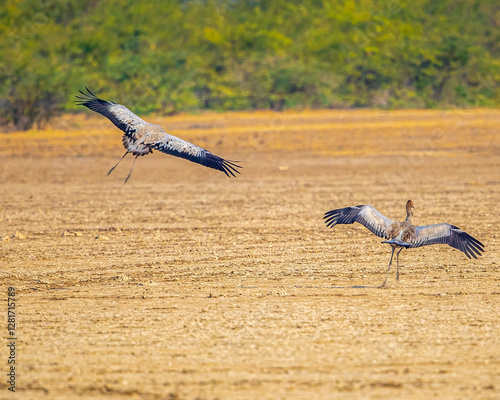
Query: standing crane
pixel 142 137
pixel 404 235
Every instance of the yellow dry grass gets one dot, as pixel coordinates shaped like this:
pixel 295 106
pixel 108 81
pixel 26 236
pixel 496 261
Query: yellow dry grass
pixel 352 132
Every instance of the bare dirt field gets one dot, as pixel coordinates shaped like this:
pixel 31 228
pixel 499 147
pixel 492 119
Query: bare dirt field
pixel 184 284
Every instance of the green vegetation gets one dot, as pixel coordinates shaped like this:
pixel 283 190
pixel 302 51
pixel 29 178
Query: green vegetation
pixel 168 56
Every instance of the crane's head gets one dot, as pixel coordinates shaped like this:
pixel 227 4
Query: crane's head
pixel 409 206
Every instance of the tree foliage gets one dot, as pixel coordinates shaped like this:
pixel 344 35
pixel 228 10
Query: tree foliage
pixel 169 56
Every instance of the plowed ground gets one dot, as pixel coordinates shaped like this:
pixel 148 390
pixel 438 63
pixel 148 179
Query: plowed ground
pixel 184 284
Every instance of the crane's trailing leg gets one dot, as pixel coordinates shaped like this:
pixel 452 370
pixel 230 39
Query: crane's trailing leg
pixel 388 269
pixel 112 169
pixel 397 263
pixel 131 168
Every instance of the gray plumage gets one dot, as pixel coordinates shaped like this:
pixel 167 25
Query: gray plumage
pixel 141 138
pixel 403 235
pixel 447 234
pixel 365 215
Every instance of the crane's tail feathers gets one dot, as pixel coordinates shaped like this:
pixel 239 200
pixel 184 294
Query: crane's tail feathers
pixel 398 243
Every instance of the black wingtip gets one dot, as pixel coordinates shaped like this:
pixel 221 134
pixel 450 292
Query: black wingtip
pixel 330 213
pixel 226 166
pixel 88 90
pixel 87 97
pixel 331 218
pixel 229 168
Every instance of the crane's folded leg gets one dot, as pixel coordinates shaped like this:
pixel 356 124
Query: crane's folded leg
pixel 112 169
pixel 388 269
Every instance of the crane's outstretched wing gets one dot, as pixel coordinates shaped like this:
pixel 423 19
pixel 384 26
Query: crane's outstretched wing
pixel 169 144
pixel 447 234
pixel 130 123
pixel 365 215
pixel 119 115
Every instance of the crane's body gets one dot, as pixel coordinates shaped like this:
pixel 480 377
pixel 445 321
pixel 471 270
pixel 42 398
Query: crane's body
pixel 140 137
pixel 404 235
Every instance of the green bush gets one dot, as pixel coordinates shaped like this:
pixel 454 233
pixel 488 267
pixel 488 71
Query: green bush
pixel 169 56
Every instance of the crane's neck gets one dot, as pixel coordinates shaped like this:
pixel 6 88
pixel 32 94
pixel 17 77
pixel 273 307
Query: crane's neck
pixel 409 217
pixel 409 214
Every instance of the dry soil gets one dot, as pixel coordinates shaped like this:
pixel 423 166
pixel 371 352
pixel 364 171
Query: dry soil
pixel 185 284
